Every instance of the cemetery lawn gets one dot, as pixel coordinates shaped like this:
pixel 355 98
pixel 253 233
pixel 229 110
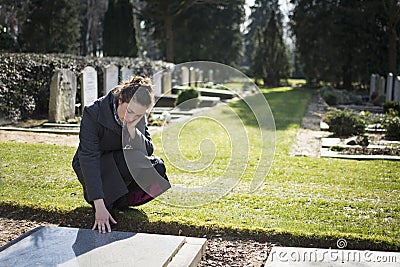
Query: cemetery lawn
pixel 303 201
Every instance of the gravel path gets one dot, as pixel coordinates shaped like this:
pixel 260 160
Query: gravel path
pixel 308 138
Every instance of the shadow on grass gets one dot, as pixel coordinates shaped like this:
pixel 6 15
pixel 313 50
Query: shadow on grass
pixel 137 221
pixel 288 107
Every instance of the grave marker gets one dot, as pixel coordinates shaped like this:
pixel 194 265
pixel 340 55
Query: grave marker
pixel 211 76
pixel 166 83
pixel 157 80
pixel 381 86
pixel 185 76
pixel 126 74
pixel 372 88
pixel 396 92
pixel 64 246
pixel 198 77
pixel 62 96
pixel 110 77
pixel 89 86
pixel 389 87
pixel 192 77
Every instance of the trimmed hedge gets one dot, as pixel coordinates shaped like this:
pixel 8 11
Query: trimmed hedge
pixel 25 79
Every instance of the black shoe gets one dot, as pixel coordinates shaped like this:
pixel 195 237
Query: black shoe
pixel 121 204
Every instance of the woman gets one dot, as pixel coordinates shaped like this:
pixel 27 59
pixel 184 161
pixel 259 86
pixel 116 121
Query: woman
pixel 114 161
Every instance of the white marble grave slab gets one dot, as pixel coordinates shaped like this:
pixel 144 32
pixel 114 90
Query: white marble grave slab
pixel 62 246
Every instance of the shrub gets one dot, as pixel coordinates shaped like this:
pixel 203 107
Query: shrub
pixel 334 96
pixel 329 96
pixel 388 105
pixel 345 123
pixel 392 124
pixel 188 99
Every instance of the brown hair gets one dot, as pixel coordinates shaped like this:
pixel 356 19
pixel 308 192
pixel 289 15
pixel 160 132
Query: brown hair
pixel 138 87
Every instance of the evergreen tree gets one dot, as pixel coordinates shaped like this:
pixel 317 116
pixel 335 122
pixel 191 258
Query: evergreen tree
pixel 340 42
pixel 52 27
pixel 7 43
pixel 119 38
pixel 269 57
pixel 92 18
pixel 209 32
pixel 169 22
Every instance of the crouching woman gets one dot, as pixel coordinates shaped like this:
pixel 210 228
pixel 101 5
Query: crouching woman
pixel 114 161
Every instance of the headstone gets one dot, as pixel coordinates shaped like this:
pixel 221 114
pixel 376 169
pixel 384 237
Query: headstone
pixel 210 75
pixel 199 77
pixel 372 88
pixel 381 86
pixel 63 246
pixel 157 83
pixel 185 76
pixel 89 86
pixel 62 96
pixel 110 77
pixel 389 87
pixel 192 77
pixel 166 83
pixel 396 91
pixel 126 74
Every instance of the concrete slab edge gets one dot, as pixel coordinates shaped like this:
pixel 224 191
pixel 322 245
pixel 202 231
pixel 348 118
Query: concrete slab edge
pixel 326 153
pixel 190 254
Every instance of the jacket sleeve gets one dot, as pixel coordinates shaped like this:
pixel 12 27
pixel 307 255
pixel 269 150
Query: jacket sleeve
pixel 89 153
pixel 142 140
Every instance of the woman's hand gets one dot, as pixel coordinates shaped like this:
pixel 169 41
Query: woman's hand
pixel 102 217
pixel 132 126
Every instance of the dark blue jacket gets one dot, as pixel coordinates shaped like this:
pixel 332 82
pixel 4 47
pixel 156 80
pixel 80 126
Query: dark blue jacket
pixel 100 135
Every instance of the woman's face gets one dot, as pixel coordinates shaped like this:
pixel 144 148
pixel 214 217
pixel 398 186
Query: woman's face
pixel 130 112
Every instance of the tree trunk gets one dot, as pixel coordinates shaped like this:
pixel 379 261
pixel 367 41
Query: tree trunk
pixel 265 81
pixel 347 73
pixel 392 51
pixel 169 36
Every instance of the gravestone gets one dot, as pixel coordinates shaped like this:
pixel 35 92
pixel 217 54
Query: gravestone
pixel 89 86
pixel 157 80
pixel 389 87
pixel 192 77
pixel 110 77
pixel 185 76
pixel 62 96
pixel 166 83
pixel 396 91
pixel 63 246
pixel 126 74
pixel 199 77
pixel 211 76
pixel 372 88
pixel 381 86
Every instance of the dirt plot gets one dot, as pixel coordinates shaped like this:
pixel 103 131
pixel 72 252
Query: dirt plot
pixel 39 138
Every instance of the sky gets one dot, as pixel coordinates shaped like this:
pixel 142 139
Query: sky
pixel 285 6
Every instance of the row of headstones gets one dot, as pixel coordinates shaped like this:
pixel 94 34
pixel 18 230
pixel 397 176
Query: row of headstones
pixel 194 76
pixel 64 83
pixel 390 87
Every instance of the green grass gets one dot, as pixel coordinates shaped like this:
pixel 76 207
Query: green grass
pixel 302 200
